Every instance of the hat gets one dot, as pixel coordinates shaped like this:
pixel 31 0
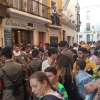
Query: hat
pixel 5 50
pixel 40 49
pixel 62 43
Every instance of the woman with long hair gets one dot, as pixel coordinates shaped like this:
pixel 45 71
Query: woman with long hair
pixel 66 76
pixel 41 86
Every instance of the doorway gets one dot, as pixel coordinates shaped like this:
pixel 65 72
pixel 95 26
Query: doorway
pixel 41 37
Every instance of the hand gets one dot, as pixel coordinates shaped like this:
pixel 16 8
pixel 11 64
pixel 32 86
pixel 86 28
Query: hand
pixel 88 87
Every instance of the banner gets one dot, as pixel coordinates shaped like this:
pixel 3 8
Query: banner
pixel 8 37
pixel 65 4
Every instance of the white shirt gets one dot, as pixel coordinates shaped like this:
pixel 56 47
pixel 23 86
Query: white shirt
pixel 16 53
pixel 45 65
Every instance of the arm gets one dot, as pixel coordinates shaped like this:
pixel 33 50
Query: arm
pixel 65 93
pixel 91 87
pixel 97 97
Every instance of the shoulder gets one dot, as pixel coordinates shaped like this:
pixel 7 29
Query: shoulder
pixel 45 62
pixel 60 85
pixel 51 97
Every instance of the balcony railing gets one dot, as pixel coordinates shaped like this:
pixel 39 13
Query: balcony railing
pixel 30 6
pixel 68 21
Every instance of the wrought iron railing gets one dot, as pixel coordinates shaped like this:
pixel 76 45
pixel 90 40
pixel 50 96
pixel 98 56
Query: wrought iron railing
pixel 30 6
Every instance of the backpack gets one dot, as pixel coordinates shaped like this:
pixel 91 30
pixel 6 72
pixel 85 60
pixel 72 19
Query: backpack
pixel 15 86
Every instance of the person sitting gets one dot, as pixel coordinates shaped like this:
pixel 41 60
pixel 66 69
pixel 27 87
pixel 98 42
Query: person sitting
pixel 82 77
pixel 51 72
pixel 41 86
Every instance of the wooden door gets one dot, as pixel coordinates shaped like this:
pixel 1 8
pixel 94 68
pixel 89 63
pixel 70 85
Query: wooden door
pixel 41 37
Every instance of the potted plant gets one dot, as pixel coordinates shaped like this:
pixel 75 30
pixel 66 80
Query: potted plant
pixel 3 9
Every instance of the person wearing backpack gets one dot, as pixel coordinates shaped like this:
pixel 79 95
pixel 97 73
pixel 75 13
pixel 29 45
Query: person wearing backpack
pixel 11 74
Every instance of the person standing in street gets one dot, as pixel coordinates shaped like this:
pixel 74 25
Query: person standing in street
pixel 11 74
pixel 25 55
pixel 64 49
pixel 90 65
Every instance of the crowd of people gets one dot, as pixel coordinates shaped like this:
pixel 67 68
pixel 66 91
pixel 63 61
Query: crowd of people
pixel 50 72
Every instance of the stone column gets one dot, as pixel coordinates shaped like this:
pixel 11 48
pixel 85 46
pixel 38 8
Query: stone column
pixel 35 37
pixel 47 36
pixel 19 37
pixel 1 35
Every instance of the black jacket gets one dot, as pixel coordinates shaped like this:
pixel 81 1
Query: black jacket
pixel 50 97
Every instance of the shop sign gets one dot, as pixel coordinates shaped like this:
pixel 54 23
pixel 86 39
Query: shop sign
pixel 8 37
pixel 15 24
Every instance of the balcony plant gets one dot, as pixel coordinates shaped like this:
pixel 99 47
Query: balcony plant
pixel 3 9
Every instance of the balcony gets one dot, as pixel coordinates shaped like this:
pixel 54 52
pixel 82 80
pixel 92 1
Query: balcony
pixel 29 10
pixel 68 22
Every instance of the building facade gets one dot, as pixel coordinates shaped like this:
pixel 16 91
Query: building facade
pixel 90 18
pixel 29 21
pixel 70 21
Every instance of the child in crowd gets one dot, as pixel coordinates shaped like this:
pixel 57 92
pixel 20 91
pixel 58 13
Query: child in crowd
pixel 51 72
pixel 82 77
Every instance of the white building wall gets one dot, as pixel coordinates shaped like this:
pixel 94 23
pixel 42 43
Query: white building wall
pixel 94 8
pixel 69 31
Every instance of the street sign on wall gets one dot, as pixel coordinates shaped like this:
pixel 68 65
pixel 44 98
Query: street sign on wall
pixel 8 37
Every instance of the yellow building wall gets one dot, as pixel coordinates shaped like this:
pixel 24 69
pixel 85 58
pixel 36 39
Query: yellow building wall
pixel 49 5
pixel 59 4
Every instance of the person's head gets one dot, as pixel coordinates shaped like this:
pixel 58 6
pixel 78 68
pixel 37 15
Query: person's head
pixel 98 72
pixel 54 45
pixel 63 65
pixel 41 52
pixel 17 49
pixel 82 53
pixel 74 45
pixel 80 64
pixel 51 72
pixel 47 45
pixel 63 45
pixel 40 83
pixel 26 48
pixel 35 53
pixel 6 53
pixel 53 53
pixel 40 44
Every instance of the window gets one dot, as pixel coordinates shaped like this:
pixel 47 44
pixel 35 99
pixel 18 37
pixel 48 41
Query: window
pixel 87 26
pixel 88 15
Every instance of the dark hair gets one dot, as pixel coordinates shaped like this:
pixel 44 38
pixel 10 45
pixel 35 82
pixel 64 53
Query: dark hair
pixel 41 76
pixel 64 66
pixel 52 51
pixel 25 47
pixel 8 54
pixel 74 44
pixel 81 63
pixel 51 69
pixel 84 50
pixel 41 49
pixel 54 45
pixel 35 53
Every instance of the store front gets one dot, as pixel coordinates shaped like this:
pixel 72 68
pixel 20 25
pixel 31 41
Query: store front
pixel 22 36
pixel 20 32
